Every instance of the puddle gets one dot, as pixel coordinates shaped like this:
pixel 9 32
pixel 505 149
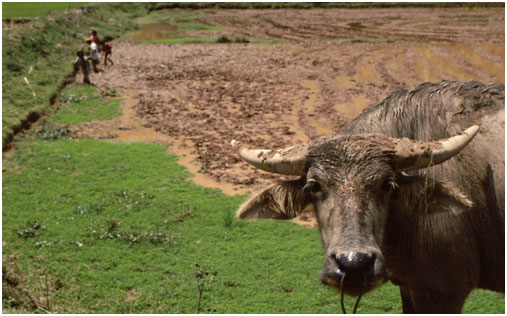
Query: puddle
pixel 398 67
pixel 343 82
pixel 352 110
pixel 494 49
pixel 432 64
pixel 309 107
pixel 424 69
pixel 299 135
pixel 480 61
pixel 366 71
pixel 153 32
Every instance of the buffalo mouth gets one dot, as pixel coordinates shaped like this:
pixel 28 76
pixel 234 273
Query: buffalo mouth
pixel 353 284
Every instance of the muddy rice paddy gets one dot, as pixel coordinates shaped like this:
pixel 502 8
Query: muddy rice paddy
pixel 305 73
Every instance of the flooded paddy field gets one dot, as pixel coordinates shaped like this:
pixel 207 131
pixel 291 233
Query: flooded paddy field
pixel 305 73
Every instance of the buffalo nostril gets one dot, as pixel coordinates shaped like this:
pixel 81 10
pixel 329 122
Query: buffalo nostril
pixel 352 261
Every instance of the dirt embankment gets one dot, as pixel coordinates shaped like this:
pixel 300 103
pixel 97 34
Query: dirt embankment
pixel 198 97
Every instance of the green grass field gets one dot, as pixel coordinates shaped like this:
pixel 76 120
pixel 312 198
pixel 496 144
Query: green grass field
pixel 35 9
pixel 82 103
pixel 107 221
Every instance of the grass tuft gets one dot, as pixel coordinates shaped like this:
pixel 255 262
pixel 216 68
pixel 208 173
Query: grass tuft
pixel 83 103
pixel 54 134
pixel 238 39
pixel 223 39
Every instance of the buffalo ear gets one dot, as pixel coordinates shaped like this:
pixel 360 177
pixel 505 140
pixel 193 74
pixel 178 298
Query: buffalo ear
pixel 282 200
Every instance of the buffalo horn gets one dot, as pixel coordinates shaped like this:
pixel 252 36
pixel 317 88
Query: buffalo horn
pixel 413 155
pixel 288 161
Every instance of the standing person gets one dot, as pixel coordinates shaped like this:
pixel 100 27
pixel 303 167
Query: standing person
pixel 82 64
pixel 94 53
pixel 95 37
pixel 107 49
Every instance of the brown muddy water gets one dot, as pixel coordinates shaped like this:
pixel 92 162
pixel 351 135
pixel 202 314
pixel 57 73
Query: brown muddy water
pixel 153 32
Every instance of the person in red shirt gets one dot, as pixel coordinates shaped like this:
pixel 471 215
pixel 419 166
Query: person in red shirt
pixel 107 49
pixel 95 37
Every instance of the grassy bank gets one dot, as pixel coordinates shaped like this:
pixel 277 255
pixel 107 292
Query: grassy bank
pixel 12 10
pixel 37 56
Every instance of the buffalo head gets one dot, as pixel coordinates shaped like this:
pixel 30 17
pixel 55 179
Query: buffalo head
pixel 350 182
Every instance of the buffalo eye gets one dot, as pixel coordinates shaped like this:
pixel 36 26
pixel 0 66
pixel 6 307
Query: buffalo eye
pixel 312 187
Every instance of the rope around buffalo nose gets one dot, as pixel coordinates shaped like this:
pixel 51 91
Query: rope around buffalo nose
pixel 342 295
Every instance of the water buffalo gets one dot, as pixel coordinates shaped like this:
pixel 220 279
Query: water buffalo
pixel 392 204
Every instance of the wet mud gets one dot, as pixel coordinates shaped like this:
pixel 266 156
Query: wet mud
pixel 196 98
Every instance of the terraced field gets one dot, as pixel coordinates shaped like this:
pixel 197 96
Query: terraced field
pixel 305 73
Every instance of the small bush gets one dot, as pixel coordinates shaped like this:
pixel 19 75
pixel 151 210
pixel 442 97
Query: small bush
pixel 14 67
pixel 223 39
pixel 238 39
pixel 31 229
pixel 54 134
